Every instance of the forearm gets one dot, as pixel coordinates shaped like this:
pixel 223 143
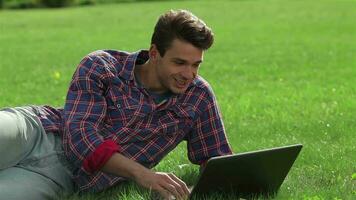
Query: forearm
pixel 166 184
pixel 122 166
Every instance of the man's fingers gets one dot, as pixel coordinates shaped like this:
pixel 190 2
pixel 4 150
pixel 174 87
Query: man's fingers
pixel 163 192
pixel 167 185
pixel 172 186
pixel 172 190
pixel 183 187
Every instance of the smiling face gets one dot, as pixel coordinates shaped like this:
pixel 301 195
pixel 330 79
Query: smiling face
pixel 178 67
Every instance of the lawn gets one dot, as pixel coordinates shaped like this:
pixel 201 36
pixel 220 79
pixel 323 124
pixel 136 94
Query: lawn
pixel 284 72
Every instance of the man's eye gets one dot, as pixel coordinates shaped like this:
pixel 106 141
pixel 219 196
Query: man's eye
pixel 179 63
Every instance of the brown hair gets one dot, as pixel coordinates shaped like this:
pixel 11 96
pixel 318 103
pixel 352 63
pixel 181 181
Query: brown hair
pixel 183 25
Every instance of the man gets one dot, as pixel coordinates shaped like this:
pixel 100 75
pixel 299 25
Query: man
pixel 123 113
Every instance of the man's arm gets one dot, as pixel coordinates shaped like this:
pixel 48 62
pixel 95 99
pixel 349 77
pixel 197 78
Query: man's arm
pixel 166 184
pixel 207 138
pixel 84 112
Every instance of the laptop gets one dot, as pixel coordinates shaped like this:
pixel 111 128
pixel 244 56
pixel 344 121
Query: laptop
pixel 246 175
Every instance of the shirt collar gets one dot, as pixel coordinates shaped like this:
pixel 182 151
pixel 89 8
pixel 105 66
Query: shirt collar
pixel 138 57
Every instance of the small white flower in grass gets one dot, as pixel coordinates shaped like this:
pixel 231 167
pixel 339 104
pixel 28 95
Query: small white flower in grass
pixel 183 166
pixel 327 125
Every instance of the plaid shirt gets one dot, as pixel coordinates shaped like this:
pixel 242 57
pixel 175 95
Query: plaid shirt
pixel 106 111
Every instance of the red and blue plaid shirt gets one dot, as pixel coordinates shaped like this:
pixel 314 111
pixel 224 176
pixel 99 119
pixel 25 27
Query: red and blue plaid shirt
pixel 106 111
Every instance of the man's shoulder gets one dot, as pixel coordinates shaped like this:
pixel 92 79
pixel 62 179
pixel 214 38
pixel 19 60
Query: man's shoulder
pixel 108 63
pixel 108 56
pixel 108 53
pixel 199 92
pixel 104 57
pixel 202 86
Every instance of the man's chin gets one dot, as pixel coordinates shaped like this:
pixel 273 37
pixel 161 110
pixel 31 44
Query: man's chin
pixel 177 90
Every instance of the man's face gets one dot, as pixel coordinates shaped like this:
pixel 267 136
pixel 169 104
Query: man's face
pixel 179 66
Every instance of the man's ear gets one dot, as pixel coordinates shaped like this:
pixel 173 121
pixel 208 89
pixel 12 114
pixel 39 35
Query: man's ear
pixel 153 52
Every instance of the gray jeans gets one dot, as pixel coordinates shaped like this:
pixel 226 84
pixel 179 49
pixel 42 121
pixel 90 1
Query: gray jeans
pixel 32 162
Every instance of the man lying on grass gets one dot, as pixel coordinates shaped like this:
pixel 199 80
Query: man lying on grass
pixel 124 112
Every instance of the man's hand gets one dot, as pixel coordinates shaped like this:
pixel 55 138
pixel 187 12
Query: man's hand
pixel 166 184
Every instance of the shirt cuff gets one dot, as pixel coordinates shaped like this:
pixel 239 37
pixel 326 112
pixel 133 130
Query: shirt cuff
pixel 96 160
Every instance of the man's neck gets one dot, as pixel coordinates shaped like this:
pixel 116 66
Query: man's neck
pixel 147 76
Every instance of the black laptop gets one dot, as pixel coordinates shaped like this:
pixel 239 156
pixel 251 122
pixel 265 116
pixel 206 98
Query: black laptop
pixel 246 175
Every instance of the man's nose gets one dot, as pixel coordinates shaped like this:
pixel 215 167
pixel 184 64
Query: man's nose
pixel 188 73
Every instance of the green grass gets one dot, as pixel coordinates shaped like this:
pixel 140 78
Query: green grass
pixel 284 72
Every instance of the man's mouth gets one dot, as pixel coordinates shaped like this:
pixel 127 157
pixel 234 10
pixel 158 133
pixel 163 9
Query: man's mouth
pixel 181 83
